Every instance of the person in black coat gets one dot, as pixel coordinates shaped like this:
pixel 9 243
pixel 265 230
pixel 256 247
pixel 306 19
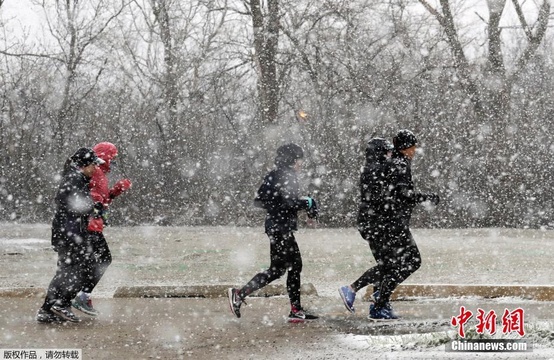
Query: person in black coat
pixel 74 205
pixel 279 195
pixel 374 214
pixel 384 217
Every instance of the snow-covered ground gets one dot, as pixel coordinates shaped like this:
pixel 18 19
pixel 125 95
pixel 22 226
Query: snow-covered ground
pixel 331 257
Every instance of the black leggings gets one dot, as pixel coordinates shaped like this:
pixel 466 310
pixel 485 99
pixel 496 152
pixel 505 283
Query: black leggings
pixel 101 258
pixel 285 255
pixel 397 257
pixel 74 262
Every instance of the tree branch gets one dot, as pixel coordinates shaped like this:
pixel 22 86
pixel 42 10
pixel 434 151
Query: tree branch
pixel 433 12
pixel 46 56
pixel 460 61
pixel 496 61
pixel 522 20
pixel 535 40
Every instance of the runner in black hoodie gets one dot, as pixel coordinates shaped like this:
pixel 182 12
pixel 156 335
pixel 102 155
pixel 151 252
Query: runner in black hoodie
pixel 374 215
pixel 279 195
pixel 386 227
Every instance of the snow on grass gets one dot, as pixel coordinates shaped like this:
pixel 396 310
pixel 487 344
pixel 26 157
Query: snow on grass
pixel 5 241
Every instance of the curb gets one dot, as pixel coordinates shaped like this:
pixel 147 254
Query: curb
pixel 22 292
pixel 403 292
pixel 530 292
pixel 202 291
pixel 154 291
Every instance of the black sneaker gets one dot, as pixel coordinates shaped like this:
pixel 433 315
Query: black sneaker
pixel 65 313
pixel 300 316
pixel 234 301
pixel 383 313
pixel 47 317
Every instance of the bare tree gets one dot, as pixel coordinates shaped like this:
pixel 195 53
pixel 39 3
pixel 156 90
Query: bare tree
pixel 171 90
pixel 75 27
pixel 175 52
pixel 197 94
pixel 491 103
pixel 265 26
pixel 491 93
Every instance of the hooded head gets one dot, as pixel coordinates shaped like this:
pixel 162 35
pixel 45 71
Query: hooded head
pixel 107 152
pixel 377 149
pixel 288 154
pixel 404 139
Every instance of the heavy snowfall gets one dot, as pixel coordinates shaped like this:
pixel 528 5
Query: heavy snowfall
pixel 197 95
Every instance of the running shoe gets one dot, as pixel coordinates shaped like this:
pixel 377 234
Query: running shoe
pixel 348 296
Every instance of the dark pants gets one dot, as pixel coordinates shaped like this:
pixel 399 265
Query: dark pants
pixel 74 262
pixel 285 255
pixel 101 258
pixel 397 257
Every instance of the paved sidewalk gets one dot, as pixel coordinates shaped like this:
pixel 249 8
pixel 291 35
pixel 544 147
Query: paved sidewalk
pixel 205 329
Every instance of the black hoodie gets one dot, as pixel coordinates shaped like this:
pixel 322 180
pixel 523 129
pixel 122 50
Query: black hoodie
pixel 375 184
pixel 279 193
pixel 73 207
pixel 404 197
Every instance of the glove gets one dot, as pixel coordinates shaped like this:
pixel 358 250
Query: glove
pixel 97 210
pixel 313 209
pixel 120 187
pixel 313 212
pixel 433 199
pixel 309 202
pixel 106 216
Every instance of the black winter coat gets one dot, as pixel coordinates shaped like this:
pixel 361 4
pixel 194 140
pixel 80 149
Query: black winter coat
pixel 279 195
pixel 403 196
pixel 375 192
pixel 387 193
pixel 73 207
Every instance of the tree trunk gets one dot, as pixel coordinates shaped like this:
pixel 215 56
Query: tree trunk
pixel 266 41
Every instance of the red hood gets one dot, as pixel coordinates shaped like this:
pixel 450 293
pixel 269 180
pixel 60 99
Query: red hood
pixel 105 151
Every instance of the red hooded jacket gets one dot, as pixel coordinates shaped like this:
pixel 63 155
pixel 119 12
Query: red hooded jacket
pixel 99 186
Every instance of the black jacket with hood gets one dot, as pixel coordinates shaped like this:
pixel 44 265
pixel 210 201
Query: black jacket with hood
pixel 375 184
pixel 73 207
pixel 279 193
pixel 404 197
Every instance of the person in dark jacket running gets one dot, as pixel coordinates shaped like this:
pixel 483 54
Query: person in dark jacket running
pixel 388 199
pixel 374 213
pixel 279 196
pixel 74 205
pixel 100 192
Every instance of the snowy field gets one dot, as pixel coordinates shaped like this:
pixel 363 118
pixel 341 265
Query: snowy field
pixel 332 257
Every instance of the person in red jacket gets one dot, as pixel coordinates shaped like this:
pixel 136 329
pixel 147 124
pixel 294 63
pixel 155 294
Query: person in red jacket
pixel 100 192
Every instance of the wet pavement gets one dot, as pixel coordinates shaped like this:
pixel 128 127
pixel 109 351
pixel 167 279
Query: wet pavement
pixel 172 261
pixel 176 328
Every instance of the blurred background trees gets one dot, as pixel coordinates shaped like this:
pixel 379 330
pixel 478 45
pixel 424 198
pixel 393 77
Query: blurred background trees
pixel 197 95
